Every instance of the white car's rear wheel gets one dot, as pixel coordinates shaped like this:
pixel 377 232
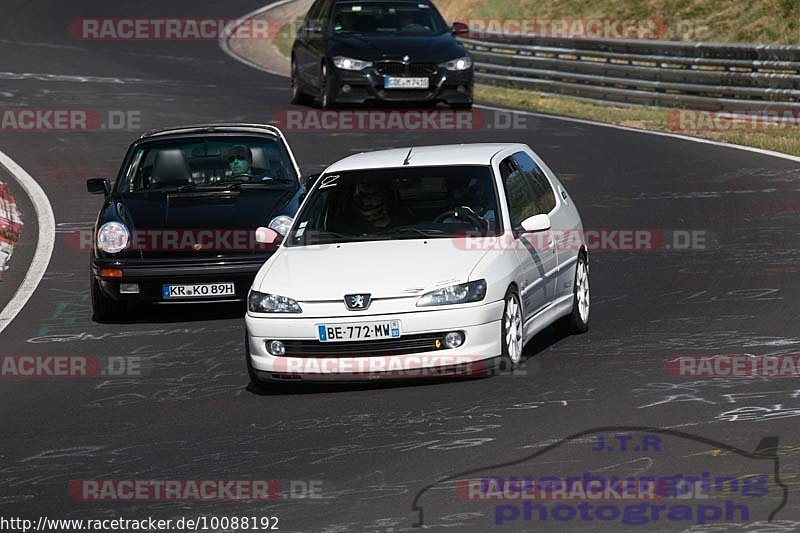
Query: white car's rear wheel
pixel 511 331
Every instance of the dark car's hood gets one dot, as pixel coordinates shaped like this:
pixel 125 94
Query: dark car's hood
pixel 374 47
pixel 153 216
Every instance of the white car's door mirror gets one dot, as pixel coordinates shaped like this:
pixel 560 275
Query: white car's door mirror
pixel 267 235
pixel 536 223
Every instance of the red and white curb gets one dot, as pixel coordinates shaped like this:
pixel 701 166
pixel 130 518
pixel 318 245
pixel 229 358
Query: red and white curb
pixel 10 227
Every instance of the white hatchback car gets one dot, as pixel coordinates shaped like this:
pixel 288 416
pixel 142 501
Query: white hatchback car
pixel 434 260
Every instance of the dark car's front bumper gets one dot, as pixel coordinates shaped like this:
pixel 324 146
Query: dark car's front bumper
pixel 367 85
pixel 151 275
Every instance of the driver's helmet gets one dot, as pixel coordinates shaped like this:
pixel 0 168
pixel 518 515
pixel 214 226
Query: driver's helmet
pixel 460 189
pixel 240 159
pixel 370 201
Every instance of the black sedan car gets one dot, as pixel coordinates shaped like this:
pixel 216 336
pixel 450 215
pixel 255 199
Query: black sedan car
pixel 179 223
pixel 384 51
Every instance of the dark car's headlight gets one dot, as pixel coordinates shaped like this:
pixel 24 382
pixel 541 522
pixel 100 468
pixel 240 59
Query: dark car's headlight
pixel 461 63
pixel 261 302
pixel 474 291
pixel 113 237
pixel 348 63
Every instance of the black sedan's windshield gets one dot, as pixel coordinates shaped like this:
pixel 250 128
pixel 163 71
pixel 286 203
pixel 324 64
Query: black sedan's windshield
pixel 387 17
pixel 196 163
pixel 399 203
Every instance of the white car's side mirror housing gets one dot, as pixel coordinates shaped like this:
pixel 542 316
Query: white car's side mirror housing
pixel 267 235
pixel 536 223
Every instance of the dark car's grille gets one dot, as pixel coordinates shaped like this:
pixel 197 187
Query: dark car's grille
pixel 396 68
pixel 409 344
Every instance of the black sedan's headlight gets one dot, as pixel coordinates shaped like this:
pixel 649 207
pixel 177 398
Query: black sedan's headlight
pixel 461 63
pixel 261 302
pixel 348 63
pixel 474 291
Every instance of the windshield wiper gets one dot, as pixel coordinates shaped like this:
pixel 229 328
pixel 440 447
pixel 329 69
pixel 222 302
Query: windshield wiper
pixel 409 229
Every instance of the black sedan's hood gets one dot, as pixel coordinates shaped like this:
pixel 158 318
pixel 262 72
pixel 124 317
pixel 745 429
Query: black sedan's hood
pixel 166 225
pixel 376 47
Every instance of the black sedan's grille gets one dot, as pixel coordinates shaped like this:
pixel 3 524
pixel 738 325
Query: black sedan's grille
pixel 396 68
pixel 409 344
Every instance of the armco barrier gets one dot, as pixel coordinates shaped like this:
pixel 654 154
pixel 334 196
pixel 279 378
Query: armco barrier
pixel 712 76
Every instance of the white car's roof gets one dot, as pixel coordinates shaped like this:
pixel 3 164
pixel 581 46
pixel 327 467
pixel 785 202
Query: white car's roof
pixel 422 156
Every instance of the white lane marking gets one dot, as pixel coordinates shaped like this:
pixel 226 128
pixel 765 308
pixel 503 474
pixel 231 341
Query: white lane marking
pixel 231 28
pixel 40 76
pixel 649 132
pixel 225 48
pixel 44 243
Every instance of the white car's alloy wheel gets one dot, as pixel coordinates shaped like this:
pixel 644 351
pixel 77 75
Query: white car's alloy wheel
pixel 582 291
pixel 512 328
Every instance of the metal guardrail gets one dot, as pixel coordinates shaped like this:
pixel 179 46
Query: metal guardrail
pixel 711 76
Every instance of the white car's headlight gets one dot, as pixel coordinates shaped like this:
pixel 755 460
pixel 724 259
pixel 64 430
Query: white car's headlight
pixel 261 302
pixel 348 63
pixel 113 237
pixel 462 63
pixel 474 291
pixel 281 224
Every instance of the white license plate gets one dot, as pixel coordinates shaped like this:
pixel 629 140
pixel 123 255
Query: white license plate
pixel 405 83
pixel 359 331
pixel 204 290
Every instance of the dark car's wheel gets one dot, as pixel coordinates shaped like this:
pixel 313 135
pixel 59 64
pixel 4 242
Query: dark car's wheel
pixel 298 96
pixel 578 320
pixel 104 308
pixel 327 97
pixel 511 334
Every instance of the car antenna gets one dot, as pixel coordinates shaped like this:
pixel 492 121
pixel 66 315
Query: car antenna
pixel 408 155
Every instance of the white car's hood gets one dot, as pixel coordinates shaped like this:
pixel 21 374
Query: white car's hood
pixel 380 268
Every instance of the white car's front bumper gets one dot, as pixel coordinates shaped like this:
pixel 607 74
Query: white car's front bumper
pixel 482 344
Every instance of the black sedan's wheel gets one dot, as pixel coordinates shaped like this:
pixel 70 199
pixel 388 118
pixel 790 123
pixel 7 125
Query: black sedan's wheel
pixel 298 96
pixel 578 320
pixel 327 96
pixel 104 308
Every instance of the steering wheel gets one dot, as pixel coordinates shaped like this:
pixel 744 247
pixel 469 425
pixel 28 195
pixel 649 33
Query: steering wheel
pixel 463 213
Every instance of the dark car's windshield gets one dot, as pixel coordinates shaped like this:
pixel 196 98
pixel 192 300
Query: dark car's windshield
pixel 399 203
pixel 197 163
pixel 387 18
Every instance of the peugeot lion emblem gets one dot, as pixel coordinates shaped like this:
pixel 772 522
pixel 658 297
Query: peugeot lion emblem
pixel 357 302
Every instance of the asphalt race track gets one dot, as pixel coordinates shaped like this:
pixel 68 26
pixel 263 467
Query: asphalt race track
pixel 372 449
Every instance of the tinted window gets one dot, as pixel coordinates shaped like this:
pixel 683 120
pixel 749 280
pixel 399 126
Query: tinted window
pixel 518 194
pixel 387 18
pixel 207 163
pixel 399 203
pixel 545 198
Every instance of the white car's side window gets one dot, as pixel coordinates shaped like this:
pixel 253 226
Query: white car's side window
pixel 544 196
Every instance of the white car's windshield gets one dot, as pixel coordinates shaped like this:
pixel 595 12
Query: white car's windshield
pixel 399 203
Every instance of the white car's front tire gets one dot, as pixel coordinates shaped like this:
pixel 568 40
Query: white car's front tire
pixel 511 336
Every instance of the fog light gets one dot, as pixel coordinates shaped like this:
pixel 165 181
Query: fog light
pixel 276 348
pixel 346 88
pixel 454 339
pixel 129 288
pixel 110 272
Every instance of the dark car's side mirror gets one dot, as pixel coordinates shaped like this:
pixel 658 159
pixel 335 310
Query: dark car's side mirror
pixel 314 27
pixel 98 186
pixel 460 29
